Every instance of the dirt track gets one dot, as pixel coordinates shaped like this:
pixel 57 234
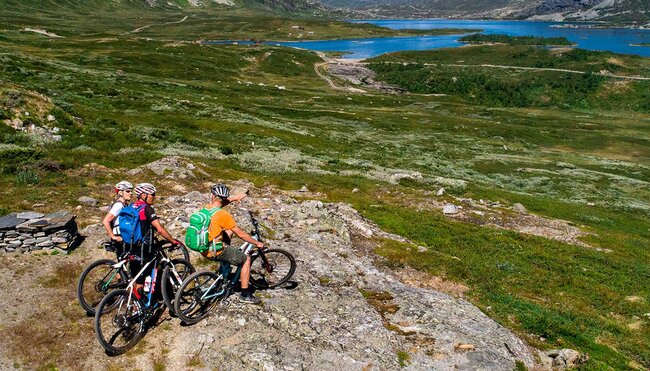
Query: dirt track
pixel 323 65
pixel 157 24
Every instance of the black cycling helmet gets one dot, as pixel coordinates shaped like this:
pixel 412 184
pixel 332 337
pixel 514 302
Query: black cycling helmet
pixel 220 190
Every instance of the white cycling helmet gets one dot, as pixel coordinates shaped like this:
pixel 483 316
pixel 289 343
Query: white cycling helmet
pixel 144 188
pixel 123 186
pixel 220 190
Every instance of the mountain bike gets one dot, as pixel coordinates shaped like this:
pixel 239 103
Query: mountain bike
pixel 105 275
pixel 201 291
pixel 122 317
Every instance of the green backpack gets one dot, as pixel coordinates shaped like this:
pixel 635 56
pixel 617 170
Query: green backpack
pixel 196 236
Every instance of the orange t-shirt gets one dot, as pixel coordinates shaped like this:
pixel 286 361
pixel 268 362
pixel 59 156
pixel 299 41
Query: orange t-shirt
pixel 221 220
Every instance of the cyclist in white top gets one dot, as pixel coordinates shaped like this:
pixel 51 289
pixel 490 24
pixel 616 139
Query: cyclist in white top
pixel 123 191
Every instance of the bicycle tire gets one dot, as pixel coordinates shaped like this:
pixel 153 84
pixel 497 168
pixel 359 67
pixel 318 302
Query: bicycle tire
pixel 180 252
pixel 129 325
pixel 283 266
pixel 85 289
pixel 170 282
pixel 188 305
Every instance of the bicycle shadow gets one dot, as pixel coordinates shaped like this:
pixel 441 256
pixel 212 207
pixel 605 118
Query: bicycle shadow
pixel 290 285
pixel 263 286
pixel 232 298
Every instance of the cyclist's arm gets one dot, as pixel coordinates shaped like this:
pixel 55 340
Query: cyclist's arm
pixel 237 197
pixel 162 231
pixel 246 237
pixel 107 224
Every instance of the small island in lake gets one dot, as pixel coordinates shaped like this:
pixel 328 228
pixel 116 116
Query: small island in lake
pixel 515 40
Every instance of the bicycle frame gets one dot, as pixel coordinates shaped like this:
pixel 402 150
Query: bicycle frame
pixel 229 284
pixel 246 248
pixel 119 267
pixel 131 284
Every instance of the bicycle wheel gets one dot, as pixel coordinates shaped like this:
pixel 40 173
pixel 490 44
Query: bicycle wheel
pixel 277 269
pixel 119 324
pixel 173 276
pixel 97 280
pixel 196 296
pixel 180 252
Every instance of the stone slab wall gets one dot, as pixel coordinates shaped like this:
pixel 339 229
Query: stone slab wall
pixel 32 231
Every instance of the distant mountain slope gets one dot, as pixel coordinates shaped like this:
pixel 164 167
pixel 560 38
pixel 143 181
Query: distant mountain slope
pixel 606 10
pixel 282 5
pixel 287 5
pixel 619 10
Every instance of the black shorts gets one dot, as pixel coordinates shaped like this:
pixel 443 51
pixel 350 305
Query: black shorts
pixel 118 247
pixel 144 253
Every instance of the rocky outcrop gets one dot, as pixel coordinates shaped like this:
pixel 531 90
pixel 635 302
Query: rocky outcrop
pixel 341 311
pixel 515 218
pixel 563 359
pixel 360 76
pixel 172 167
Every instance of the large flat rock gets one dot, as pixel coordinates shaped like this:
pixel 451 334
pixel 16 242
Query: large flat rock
pixel 30 215
pixel 343 312
pixel 10 222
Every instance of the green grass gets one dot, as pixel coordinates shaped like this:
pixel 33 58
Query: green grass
pixel 403 358
pixel 211 23
pixel 526 56
pixel 541 288
pixel 122 100
pixel 462 73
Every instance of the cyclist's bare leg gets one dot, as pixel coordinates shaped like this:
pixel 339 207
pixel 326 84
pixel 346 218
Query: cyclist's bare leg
pixel 246 273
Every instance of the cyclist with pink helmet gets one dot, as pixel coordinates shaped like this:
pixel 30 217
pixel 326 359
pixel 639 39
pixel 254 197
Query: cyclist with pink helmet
pixel 123 191
pixel 145 194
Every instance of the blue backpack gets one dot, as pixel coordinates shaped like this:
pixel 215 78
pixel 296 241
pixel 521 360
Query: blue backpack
pixel 129 222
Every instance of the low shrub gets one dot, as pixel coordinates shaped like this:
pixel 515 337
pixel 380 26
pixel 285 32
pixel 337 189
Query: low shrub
pixel 17 138
pixel 12 99
pixel 49 165
pixel 12 153
pixel 26 177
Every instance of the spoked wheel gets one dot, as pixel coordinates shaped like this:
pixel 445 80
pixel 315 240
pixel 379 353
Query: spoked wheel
pixel 97 280
pixel 172 278
pixel 119 324
pixel 272 268
pixel 197 295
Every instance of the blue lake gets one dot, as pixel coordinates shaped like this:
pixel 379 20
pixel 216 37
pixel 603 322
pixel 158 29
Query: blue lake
pixel 617 40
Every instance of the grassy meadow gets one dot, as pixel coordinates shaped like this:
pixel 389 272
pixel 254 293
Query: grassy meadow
pixel 261 112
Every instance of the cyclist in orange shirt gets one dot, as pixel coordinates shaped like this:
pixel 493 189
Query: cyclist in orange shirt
pixel 222 226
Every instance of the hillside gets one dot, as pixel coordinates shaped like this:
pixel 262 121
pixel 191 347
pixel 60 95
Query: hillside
pixel 79 5
pixel 608 10
pixel 340 301
pixel 427 223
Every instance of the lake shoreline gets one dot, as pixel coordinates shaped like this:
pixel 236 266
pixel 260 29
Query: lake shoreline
pixel 267 42
pixel 444 33
pixel 582 24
